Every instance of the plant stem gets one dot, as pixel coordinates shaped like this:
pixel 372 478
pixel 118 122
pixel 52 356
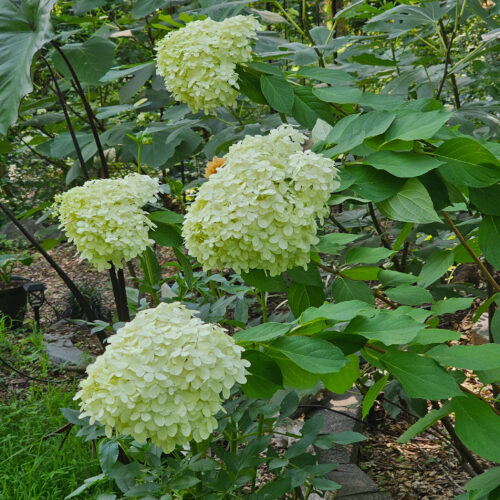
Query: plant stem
pixel 68 121
pixel 471 252
pixel 118 285
pixel 263 304
pixel 260 428
pixel 88 109
pixel 448 43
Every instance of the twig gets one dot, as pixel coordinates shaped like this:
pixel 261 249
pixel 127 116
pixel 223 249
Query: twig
pixel 88 109
pixel 471 252
pixel 25 375
pixel 448 43
pixel 68 120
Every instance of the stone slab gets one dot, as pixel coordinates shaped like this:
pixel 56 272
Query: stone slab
pixel 353 480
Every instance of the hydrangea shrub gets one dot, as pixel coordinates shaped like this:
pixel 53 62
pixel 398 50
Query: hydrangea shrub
pixel 105 220
pixel 162 377
pixel 198 61
pixel 259 210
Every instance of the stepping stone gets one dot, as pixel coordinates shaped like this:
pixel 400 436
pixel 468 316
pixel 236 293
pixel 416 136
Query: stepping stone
pixel 60 350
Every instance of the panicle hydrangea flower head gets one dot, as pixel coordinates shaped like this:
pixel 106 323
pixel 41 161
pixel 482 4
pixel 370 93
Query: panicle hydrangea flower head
pixel 198 61
pixel 260 210
pixel 104 218
pixel 161 378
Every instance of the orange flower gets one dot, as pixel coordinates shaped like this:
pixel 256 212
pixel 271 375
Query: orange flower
pixel 213 165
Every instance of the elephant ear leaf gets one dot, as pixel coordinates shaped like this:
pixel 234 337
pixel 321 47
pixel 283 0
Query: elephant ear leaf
pixel 24 29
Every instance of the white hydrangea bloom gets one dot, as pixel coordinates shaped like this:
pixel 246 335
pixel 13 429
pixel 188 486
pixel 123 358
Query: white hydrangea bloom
pixel 161 378
pixel 259 210
pixel 198 61
pixel 104 218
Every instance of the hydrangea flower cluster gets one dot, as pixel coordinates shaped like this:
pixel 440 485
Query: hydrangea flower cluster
pixel 198 61
pixel 161 378
pixel 104 218
pixel 260 210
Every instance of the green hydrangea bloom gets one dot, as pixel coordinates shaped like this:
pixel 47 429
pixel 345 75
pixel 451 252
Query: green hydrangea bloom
pixel 104 218
pixel 198 61
pixel 259 210
pixel 161 378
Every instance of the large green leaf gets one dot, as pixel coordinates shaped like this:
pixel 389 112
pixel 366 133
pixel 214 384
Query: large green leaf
pixel 262 333
pixel 310 354
pixel 410 295
pixel 307 108
pixel 420 377
pixel 327 75
pixel 278 92
pixel 489 239
pixel 91 59
pixel 417 125
pixel 437 264
pixel 388 327
pixel 375 185
pixel 344 379
pixel 373 393
pixel 264 377
pixel 486 199
pixel 467 163
pixel 472 357
pixel 402 164
pixel 345 289
pixel 343 311
pixel 483 484
pixel 411 204
pixel 477 426
pixel 24 29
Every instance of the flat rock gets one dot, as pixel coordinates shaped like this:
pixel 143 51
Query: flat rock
pixel 60 349
pixel 354 482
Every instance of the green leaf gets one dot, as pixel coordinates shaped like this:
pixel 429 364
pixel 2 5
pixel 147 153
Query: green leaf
pixel 489 239
pixel 467 163
pixel 484 483
pixel 108 454
pixel 477 426
pixel 24 29
pixel 344 379
pixel 410 295
pixel 435 336
pixel 417 125
pixel 145 7
pixel 344 311
pixel 437 264
pixel 411 204
pixel 166 217
pixel 264 378
pixel 372 394
pixel 327 75
pixel 339 95
pixel 420 377
pixel 249 84
pixel 296 377
pixel 402 164
pixel 346 289
pixel 375 185
pixel 367 273
pixel 167 235
pixel 91 59
pixel 451 305
pixel 309 276
pixel 486 199
pixel 395 278
pixel 310 354
pixel 262 333
pixel 187 268
pixel 372 60
pixel 366 255
pixel 260 280
pixel 298 298
pixel 472 357
pixel 278 93
pixel 307 108
pixel 334 243
pixel 425 422
pixel 387 326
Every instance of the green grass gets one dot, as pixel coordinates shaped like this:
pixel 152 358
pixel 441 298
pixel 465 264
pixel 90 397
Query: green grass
pixel 31 468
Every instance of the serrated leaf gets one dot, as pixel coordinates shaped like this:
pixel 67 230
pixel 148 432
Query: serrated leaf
pixel 472 357
pixel 262 333
pixel 278 93
pixel 402 164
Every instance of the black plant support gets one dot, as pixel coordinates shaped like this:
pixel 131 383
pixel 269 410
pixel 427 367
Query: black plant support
pixel 82 301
